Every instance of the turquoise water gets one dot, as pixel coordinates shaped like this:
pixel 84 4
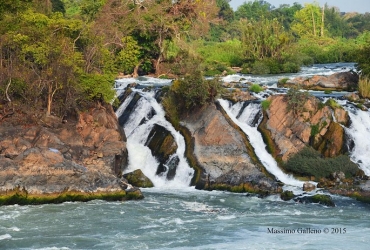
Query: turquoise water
pixel 187 219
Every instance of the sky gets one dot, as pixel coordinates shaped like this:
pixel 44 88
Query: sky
pixel 360 6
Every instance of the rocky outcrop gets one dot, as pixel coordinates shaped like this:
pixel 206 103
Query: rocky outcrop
pixel 223 154
pixel 51 158
pixel 163 146
pixel 337 81
pixel 313 126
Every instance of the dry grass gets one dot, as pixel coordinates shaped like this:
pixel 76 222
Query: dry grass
pixel 364 87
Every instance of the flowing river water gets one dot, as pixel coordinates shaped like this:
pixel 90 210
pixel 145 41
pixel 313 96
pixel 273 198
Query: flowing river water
pixel 175 216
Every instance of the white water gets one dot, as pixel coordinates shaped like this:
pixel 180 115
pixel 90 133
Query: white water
pixel 255 138
pixel 359 132
pixel 140 156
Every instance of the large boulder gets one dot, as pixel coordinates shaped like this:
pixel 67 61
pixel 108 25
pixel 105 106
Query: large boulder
pixel 223 154
pixel 337 81
pixel 314 126
pixel 138 179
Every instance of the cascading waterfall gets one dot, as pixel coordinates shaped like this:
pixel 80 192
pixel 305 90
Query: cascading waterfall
pixel 359 132
pixel 244 117
pixel 146 113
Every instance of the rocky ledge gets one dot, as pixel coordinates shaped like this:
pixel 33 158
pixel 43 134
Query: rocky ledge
pixel 54 161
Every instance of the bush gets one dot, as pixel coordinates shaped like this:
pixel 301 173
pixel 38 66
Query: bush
pixel 256 88
pixel 332 103
pixel 364 87
pixel 296 100
pixel 309 162
pixel 98 87
pixel 260 68
pixel 265 104
pixel 192 92
pixel 290 67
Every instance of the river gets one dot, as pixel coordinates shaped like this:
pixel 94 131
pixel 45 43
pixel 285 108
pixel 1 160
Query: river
pixel 174 216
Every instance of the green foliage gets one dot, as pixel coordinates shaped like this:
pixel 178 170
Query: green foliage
pixel 253 10
pixel 255 88
pixel 265 39
pixel 332 103
pixel 307 21
pixel 260 68
pixel 228 53
pixel 315 129
pixel 296 100
pixel 364 87
pixel 265 104
pixel 128 56
pixel 362 55
pixel 192 92
pixel 98 87
pixel 309 162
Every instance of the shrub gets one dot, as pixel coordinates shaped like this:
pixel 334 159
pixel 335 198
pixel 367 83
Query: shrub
pixel 364 87
pixel 332 103
pixel 260 68
pixel 265 104
pixel 192 92
pixel 296 100
pixel 290 67
pixel 256 88
pixel 309 162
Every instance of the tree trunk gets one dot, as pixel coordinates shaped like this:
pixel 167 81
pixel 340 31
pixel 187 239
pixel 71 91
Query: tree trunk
pixel 313 23
pixel 7 89
pixel 322 21
pixel 50 99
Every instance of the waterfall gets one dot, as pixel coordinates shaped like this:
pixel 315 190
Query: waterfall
pixel 359 132
pixel 138 122
pixel 244 116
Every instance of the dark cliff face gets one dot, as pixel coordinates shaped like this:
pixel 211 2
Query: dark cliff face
pixel 222 154
pixel 50 157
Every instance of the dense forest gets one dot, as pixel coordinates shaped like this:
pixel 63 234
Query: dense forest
pixel 63 54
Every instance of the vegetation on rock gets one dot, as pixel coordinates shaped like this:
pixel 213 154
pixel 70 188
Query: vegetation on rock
pixel 309 162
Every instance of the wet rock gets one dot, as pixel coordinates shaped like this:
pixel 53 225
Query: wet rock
pixel 138 179
pixel 307 187
pixel 322 199
pixel 287 195
pixel 162 145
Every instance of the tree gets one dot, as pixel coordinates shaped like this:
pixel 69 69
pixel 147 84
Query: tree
pixel 264 39
pixel 307 20
pixel 255 10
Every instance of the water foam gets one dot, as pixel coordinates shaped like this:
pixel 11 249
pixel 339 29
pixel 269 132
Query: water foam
pixel 140 156
pixel 359 132
pixel 244 121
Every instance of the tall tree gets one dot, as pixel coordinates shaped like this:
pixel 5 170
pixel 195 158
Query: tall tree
pixel 307 20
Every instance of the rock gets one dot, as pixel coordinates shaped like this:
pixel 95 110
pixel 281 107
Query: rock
pixel 332 142
pixel 162 145
pixel 86 156
pixel 322 199
pixel 307 187
pixel 138 179
pixel 339 81
pixel 314 127
pixel 239 96
pixel 287 195
pixel 338 176
pixel 222 155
